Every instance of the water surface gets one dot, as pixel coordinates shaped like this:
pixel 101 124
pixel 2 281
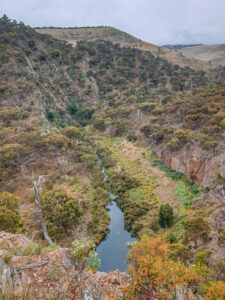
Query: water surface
pixel 113 251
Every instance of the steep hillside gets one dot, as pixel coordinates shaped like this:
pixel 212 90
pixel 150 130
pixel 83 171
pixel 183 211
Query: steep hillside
pixel 73 35
pixel 214 55
pixel 157 127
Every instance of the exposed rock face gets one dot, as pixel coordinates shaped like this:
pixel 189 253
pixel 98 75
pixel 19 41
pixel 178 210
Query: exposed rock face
pixel 53 274
pixel 196 161
pixel 9 241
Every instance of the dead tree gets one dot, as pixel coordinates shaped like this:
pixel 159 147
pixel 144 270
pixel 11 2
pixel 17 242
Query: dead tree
pixel 24 163
pixel 38 203
pixel 221 193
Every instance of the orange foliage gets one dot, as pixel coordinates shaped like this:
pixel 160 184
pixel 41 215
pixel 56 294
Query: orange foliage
pixel 216 291
pixel 154 275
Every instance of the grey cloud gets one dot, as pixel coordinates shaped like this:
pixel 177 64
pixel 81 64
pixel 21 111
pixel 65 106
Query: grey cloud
pixel 155 21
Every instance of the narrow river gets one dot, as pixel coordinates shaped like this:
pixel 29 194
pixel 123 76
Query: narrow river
pixel 113 250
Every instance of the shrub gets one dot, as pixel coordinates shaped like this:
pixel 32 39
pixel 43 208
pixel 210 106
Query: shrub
pixel 165 216
pixel 179 252
pixel 55 140
pixel 42 56
pixel 215 291
pixel 60 211
pixel 72 132
pixel 83 251
pixel 196 228
pixel 154 275
pixel 9 216
pixel 7 257
pixel 31 44
pixel 174 143
pixel 202 257
pixel 56 53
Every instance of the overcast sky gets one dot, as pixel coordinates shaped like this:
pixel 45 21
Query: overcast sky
pixel 155 21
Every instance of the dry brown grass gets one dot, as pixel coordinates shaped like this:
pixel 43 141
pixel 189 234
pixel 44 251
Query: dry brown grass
pixel 213 53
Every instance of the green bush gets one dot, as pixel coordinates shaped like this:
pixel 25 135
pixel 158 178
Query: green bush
pixel 72 132
pixel 165 216
pixel 202 257
pixel 9 216
pixel 60 211
pixel 196 228
pixel 174 143
pixel 83 253
pixel 179 252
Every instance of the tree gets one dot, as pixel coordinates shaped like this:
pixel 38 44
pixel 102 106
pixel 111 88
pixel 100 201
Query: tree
pixel 165 216
pixel 196 228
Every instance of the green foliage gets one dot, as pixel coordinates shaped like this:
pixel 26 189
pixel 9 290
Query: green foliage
pixel 179 252
pixel 82 251
pixel 172 238
pixel 202 257
pixel 43 56
pixel 60 211
pixel 31 44
pixel 134 195
pixel 52 248
pixel 9 216
pixel 182 191
pixel 165 216
pixel 72 132
pixel 174 143
pixel 7 257
pixel 50 115
pixel 93 263
pixel 56 53
pixel 196 228
pixel 53 141
pixel 174 175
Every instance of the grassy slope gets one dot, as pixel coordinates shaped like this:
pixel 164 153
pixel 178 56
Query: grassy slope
pixel 215 54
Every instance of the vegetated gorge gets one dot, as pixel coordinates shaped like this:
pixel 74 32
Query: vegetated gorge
pixel 100 130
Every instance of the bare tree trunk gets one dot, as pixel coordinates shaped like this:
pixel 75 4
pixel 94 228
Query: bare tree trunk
pixel 22 169
pixel 37 201
pixel 221 193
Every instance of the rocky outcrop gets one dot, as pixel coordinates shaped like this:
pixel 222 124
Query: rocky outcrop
pixel 196 161
pixel 52 274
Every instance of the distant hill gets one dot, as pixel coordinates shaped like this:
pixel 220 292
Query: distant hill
pixel 208 53
pixel 72 35
pixel 179 46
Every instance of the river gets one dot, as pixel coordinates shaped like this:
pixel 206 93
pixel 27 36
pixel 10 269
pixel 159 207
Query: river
pixel 113 250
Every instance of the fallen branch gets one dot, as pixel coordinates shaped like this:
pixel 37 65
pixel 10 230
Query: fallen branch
pixel 39 264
